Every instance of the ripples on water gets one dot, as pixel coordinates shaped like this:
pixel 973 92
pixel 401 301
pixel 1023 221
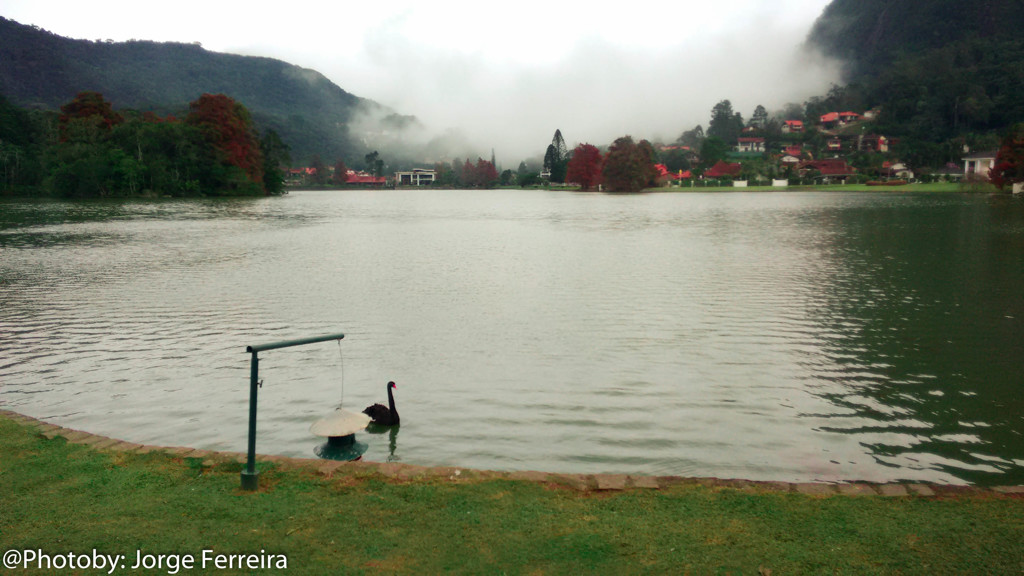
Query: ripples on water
pixel 765 336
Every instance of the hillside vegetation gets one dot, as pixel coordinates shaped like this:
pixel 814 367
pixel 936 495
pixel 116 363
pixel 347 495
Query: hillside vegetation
pixel 312 115
pixel 870 35
pixel 943 72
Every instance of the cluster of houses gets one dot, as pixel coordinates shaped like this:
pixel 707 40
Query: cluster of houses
pixel 416 177
pixel 841 138
pixel 308 175
pixel 792 159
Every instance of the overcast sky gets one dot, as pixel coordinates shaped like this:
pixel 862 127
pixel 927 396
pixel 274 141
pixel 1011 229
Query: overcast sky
pixel 507 74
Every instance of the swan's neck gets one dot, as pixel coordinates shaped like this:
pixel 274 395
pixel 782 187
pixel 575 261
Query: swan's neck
pixel 391 401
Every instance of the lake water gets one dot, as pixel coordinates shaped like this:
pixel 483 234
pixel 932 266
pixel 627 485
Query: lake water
pixel 768 336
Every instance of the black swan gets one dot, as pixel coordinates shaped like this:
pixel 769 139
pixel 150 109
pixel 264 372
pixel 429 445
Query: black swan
pixel 384 415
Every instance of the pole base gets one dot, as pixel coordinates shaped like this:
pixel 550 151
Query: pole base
pixel 250 480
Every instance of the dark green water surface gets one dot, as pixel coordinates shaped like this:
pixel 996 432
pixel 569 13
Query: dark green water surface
pixel 768 336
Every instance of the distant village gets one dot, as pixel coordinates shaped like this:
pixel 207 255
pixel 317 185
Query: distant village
pixel 788 163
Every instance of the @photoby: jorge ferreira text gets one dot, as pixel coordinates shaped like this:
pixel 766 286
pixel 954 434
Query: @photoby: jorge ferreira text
pixel 37 559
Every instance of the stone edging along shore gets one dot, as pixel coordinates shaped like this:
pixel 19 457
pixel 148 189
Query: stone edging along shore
pixel 582 482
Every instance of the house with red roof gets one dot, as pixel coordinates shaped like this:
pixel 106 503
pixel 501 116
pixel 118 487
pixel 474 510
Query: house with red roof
pixel 793 127
pixel 684 151
pixel 365 179
pixel 301 176
pixel 873 143
pixel 724 169
pixel 665 176
pixel 837 119
pixel 751 144
pixel 791 155
pixel 829 169
pixel 897 170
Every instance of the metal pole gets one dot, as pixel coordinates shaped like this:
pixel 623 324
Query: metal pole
pixel 250 477
pixel 299 342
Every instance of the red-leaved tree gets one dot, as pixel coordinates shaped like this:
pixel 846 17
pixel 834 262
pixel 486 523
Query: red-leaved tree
pixel 89 107
pixel 1009 167
pixel 485 174
pixel 340 172
pixel 629 167
pixel 585 166
pixel 227 126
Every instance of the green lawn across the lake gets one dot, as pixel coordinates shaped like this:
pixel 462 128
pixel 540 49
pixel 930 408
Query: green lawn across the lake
pixel 60 498
pixel 933 187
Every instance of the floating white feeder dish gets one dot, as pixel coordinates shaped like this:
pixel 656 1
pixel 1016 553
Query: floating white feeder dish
pixel 340 423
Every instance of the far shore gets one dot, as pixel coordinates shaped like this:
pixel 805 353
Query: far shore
pixel 936 187
pixel 932 187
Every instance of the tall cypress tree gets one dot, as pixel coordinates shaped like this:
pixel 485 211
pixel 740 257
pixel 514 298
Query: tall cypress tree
pixel 556 159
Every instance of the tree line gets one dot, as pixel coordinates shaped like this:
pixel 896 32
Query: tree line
pixel 91 150
pixel 629 166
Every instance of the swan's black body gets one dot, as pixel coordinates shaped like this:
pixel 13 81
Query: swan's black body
pixel 384 415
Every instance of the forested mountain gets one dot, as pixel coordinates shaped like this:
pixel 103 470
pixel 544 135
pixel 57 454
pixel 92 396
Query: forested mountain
pixel 944 73
pixel 39 69
pixel 869 35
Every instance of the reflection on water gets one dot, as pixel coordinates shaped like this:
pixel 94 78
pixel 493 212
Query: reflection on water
pixel 932 372
pixel 392 432
pixel 781 336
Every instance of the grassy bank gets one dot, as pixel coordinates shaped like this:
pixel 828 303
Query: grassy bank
pixel 62 497
pixel 937 187
pixel 933 187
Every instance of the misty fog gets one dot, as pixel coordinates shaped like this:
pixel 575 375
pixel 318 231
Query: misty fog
pixel 490 76
pixel 594 91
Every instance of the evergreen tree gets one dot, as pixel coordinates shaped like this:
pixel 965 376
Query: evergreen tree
pixel 276 159
pixel 374 165
pixel 712 151
pixel 692 138
pixel 725 123
pixel 556 158
pixel 759 119
pixel 319 170
pixel 21 144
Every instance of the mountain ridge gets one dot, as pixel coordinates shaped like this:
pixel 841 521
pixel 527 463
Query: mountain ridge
pixel 870 35
pixel 312 114
pixel 946 75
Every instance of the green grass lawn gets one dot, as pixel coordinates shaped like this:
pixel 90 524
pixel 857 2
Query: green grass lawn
pixel 61 497
pixel 934 187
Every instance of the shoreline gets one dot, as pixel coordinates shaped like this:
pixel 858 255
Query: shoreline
pixel 579 482
pixel 933 187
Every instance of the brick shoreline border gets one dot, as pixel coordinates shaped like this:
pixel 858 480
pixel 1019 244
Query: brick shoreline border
pixel 581 482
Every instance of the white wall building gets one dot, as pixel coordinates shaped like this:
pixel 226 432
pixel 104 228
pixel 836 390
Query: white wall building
pixel 417 177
